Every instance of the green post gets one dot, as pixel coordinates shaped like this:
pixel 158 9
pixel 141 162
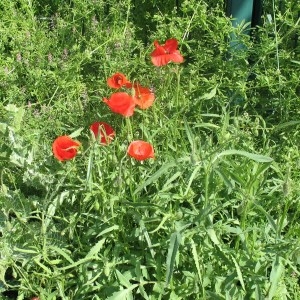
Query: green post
pixel 243 11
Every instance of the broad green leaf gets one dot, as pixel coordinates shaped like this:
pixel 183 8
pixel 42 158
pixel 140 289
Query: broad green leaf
pixel 276 272
pixel 17 113
pixel 76 133
pixel 212 234
pixel 210 94
pixel 124 294
pixel 255 157
pixel 143 293
pixel 123 280
pixel 172 252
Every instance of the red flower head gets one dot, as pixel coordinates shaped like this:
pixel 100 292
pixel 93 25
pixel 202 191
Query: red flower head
pixel 121 103
pixel 65 148
pixel 163 54
pixel 117 81
pixel 143 97
pixel 103 132
pixel 140 150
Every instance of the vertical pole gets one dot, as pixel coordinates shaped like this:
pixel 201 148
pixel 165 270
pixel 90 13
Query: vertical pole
pixel 247 12
pixel 241 11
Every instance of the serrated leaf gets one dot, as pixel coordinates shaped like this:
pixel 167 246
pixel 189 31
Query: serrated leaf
pixel 196 260
pixel 239 273
pixel 96 248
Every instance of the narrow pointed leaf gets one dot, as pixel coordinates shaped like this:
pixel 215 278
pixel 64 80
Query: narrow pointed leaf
pixel 255 157
pixel 173 248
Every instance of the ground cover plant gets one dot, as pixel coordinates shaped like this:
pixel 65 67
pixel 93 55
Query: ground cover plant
pixel 141 157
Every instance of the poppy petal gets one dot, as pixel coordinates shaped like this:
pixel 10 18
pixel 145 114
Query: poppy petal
pixel 65 148
pixel 103 132
pixel 121 103
pixel 171 45
pixel 160 60
pixel 163 54
pixel 140 150
pixel 176 57
pixel 143 97
pixel 117 80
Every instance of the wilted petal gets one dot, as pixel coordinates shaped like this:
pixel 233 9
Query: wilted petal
pixel 117 81
pixel 65 148
pixel 103 132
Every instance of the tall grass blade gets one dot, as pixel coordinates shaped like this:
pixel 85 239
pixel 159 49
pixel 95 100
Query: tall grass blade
pixel 155 176
pixel 255 157
pixel 172 252
pixel 276 272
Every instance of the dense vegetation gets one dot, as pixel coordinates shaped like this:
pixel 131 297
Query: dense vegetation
pixel 214 216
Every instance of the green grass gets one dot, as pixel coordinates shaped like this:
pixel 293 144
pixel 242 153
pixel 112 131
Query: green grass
pixel 214 216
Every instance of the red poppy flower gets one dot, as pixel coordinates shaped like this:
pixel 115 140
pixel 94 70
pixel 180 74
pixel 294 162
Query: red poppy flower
pixel 140 150
pixel 143 97
pixel 103 132
pixel 121 103
pixel 163 54
pixel 65 148
pixel 117 81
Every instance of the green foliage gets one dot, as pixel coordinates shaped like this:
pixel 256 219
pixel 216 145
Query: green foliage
pixel 213 216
